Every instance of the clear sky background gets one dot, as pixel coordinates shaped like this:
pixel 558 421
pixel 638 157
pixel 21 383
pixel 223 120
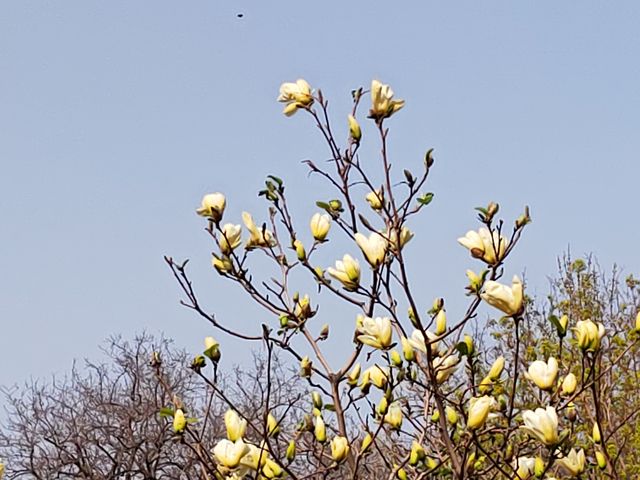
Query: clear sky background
pixel 116 116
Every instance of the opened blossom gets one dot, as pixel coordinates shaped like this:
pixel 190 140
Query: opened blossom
pixel 417 341
pixel 509 300
pixel 259 237
pixel 339 448
pixel 373 247
pixel 485 245
pixel 573 463
pixel 347 272
pixel 445 366
pixel 375 332
pixel 230 238
pixel 296 95
pixel 588 334
pixel 213 205
pixel 543 374
pixel 383 104
pixel 525 467
pixel 479 409
pixel 230 453
pixel 542 424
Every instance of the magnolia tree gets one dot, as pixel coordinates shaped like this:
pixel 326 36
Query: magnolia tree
pixel 416 396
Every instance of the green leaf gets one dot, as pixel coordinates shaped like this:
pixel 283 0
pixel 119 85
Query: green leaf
pixel 462 348
pixel 425 199
pixel 166 412
pixel 323 205
pixel 330 406
pixel 276 179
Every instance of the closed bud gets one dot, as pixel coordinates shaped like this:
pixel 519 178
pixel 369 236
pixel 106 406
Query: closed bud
pixel 563 322
pixel 441 322
pixel 412 317
pixel 320 430
pixel 402 474
pixel 198 363
pixel 417 454
pixel 236 426
pixel 468 341
pixel 471 460
pixel 523 219
pixel 213 205
pixel 496 368
pixel 452 415
pixel 324 332
pixel 291 451
pixel 539 467
pixel 212 349
pixel 601 459
pixel 320 225
pixel 305 367
pixel 492 209
pixel 571 413
pixel 435 416
pixel 396 359
pixel 354 129
pixel 638 322
pixel 272 426
pixel 354 375
pixel 375 199
pixel 339 448
pixel 317 400
pixel 366 442
pixel 486 385
pixel 569 384
pixel 383 406
pixel 300 251
pixel 179 421
pixel 596 433
pixel 407 350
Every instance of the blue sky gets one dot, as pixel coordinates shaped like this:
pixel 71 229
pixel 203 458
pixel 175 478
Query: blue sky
pixel 115 118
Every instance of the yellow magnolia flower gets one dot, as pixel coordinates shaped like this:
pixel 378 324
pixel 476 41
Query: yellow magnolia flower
pixel 366 442
pixel 271 469
pixel 236 426
pixel 230 453
pixel 374 247
pixel 339 448
pixel 507 299
pixel 320 225
pixel 179 421
pixel 376 375
pixel 258 237
pixel 354 128
pixel 441 322
pixel 272 425
pixel 496 368
pixel 595 435
pixel 295 95
pixel 588 334
pixel 417 453
pixel 394 415
pixel 543 374
pixel 542 424
pixel 524 467
pixel 445 366
pixel 230 238
pixel 638 322
pixel 375 332
pixel 346 272
pixel 418 341
pixel 222 264
pixel 573 463
pixel 352 378
pixel 213 205
pixel 485 245
pixel 479 409
pixel 375 199
pixel 569 384
pixel 320 430
pixel 394 239
pixel 382 103
pixel 212 348
pixel 407 350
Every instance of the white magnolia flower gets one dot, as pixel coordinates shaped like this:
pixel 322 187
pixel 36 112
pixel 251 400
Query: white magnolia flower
pixel 542 424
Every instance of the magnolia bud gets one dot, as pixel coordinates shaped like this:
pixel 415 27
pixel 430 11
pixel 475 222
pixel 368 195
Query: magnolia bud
pixel 402 474
pixel 468 341
pixel 438 304
pixel 291 451
pixel 638 322
pixel 563 322
pixel 452 415
pixel 571 413
pixel 272 426
pixel 435 417
pixel 353 376
pixel 601 459
pixel 354 129
pixel 366 442
pixel 317 400
pixel 300 251
pixel 539 467
pixel 596 433
pixel 383 406
pixel 441 322
pixel 396 359
pixel 320 430
pixel 496 368
pixel 417 454
pixel 305 367
pixel 569 384
pixel 407 350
